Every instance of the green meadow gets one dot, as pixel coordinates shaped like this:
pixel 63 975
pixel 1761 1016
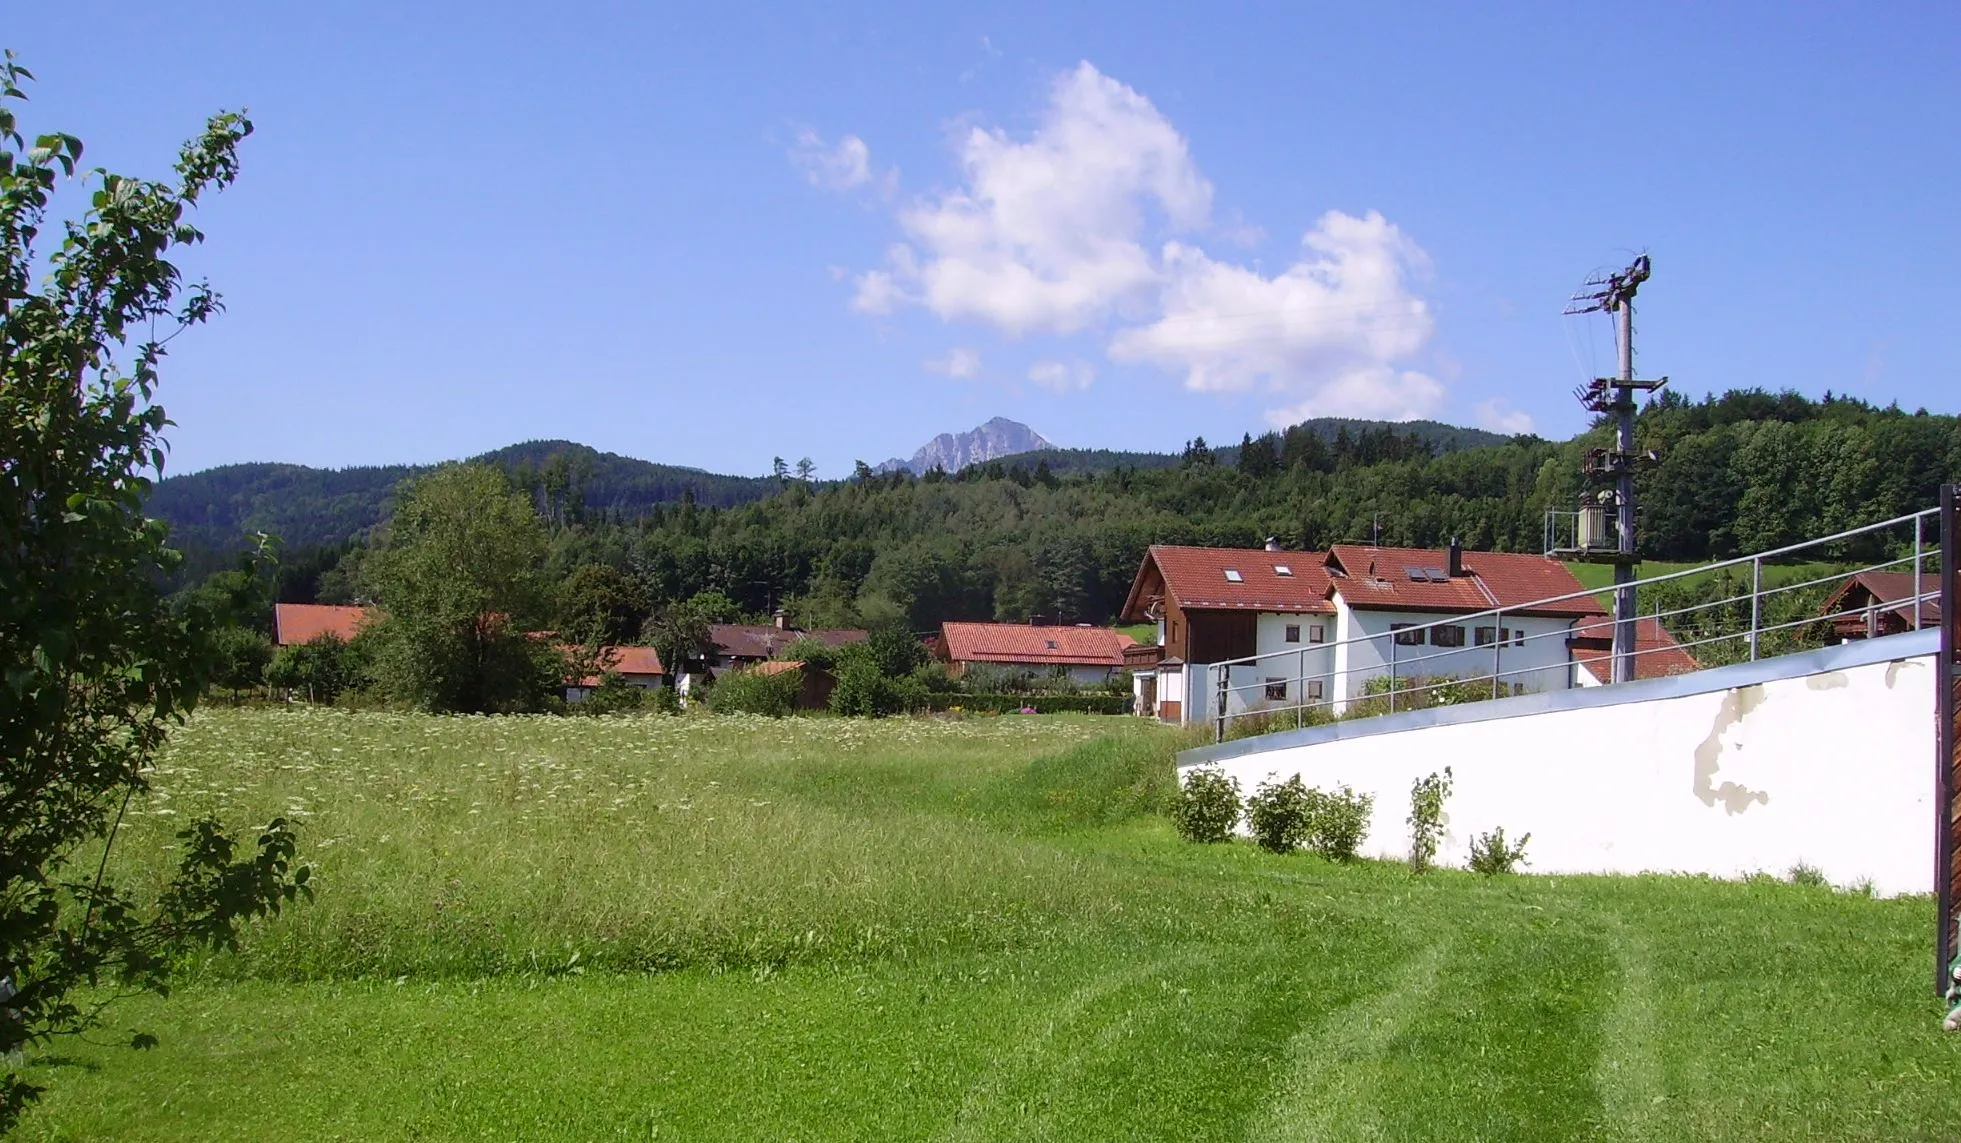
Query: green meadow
pixel 830 929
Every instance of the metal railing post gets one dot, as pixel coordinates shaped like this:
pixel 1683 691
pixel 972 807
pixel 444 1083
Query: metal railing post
pixel 1756 602
pixel 1225 676
pixel 1300 696
pixel 1497 650
pixel 1392 672
pixel 1916 571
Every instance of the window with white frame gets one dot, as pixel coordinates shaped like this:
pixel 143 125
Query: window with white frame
pixel 1276 689
pixel 1317 633
pixel 1314 690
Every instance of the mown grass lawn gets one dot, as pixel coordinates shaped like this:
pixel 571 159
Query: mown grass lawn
pixel 827 929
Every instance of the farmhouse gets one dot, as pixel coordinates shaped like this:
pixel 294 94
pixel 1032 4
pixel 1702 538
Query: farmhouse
pixel 1085 654
pixel 744 644
pixel 296 623
pixel 638 666
pixel 1874 603
pixel 1323 625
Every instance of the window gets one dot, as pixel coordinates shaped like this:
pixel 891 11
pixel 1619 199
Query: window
pixel 1051 644
pixel 1293 633
pixel 1487 636
pixel 1317 633
pixel 1282 570
pixel 1314 690
pixel 1518 637
pixel 1406 634
pixel 1447 636
pixel 1276 689
pixel 1233 576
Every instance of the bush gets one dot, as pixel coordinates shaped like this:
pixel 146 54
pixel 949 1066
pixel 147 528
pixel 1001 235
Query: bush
pixel 664 700
pixel 1426 818
pixel 933 676
pixel 812 652
pixel 1282 814
pixel 613 695
pixel 1490 855
pixel 1041 704
pixel 1208 806
pixel 1800 874
pixel 865 692
pixel 1338 822
pixel 752 692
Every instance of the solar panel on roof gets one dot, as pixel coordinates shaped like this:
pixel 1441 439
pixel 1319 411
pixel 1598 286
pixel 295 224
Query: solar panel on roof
pixel 1416 575
pixel 1437 575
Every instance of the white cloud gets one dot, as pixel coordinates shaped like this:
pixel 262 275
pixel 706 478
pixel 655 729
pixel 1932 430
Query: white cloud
pixel 963 364
pixel 1327 334
pixel 846 166
pixel 1043 233
pixel 1497 415
pixel 1061 377
pixel 1088 223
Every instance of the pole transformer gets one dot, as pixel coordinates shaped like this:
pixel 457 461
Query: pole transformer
pixel 1616 395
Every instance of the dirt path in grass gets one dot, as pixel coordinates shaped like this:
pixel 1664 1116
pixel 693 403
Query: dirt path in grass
pixel 1328 1090
pixel 1628 1076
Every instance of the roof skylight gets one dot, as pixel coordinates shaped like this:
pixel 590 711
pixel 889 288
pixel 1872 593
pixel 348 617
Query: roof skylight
pixel 1282 569
pixel 1233 576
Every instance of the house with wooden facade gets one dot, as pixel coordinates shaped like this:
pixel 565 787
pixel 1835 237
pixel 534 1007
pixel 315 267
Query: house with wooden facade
pixel 1874 603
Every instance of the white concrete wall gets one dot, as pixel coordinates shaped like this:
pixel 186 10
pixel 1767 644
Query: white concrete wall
pixel 1543 658
pixel 1824 758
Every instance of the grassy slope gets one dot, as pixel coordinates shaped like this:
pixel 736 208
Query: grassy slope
pixel 957 931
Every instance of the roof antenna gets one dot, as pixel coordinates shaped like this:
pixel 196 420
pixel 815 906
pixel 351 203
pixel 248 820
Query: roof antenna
pixel 1375 536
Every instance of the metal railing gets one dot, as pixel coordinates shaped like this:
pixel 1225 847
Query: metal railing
pixel 1382 672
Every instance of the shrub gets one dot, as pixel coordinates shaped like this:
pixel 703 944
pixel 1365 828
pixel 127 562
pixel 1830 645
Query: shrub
pixel 864 691
pixel 1282 814
pixel 812 652
pixel 752 692
pixel 664 700
pixel 1802 874
pixel 1339 822
pixel 613 695
pixel 1042 704
pixel 1208 805
pixel 1426 818
pixel 1491 855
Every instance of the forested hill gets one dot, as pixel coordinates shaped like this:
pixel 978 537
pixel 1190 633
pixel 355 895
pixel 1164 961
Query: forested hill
pixel 1435 435
pixel 1013 539
pixel 308 507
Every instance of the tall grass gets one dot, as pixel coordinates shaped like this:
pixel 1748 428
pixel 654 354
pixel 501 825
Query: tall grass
pixel 456 847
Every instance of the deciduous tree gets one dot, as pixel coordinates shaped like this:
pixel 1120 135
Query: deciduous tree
pixel 95 666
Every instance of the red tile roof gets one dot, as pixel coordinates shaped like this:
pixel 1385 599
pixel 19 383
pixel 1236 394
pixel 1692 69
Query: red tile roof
pixel 626 661
pixel 1656 653
pixel 304 622
pixel 1021 643
pixel 1196 578
pixel 1379 579
pixel 764 640
pixel 1891 591
pixel 777 666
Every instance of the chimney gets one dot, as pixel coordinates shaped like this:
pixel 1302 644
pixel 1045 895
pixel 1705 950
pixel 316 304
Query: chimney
pixel 782 619
pixel 1273 543
pixel 1456 567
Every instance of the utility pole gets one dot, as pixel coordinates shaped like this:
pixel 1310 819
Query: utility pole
pixel 1616 395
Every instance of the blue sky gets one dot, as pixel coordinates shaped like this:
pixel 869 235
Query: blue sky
pixel 715 236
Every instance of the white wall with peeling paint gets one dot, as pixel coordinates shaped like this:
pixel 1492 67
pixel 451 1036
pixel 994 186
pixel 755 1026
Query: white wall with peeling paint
pixel 1824 758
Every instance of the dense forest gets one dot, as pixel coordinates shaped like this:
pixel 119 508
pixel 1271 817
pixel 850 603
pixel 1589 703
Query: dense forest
pixel 1011 540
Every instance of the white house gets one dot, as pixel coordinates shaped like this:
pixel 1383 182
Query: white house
pixel 1278 629
pixel 1086 655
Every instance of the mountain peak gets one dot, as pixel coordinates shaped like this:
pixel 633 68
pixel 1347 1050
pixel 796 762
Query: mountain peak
pixel 997 438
